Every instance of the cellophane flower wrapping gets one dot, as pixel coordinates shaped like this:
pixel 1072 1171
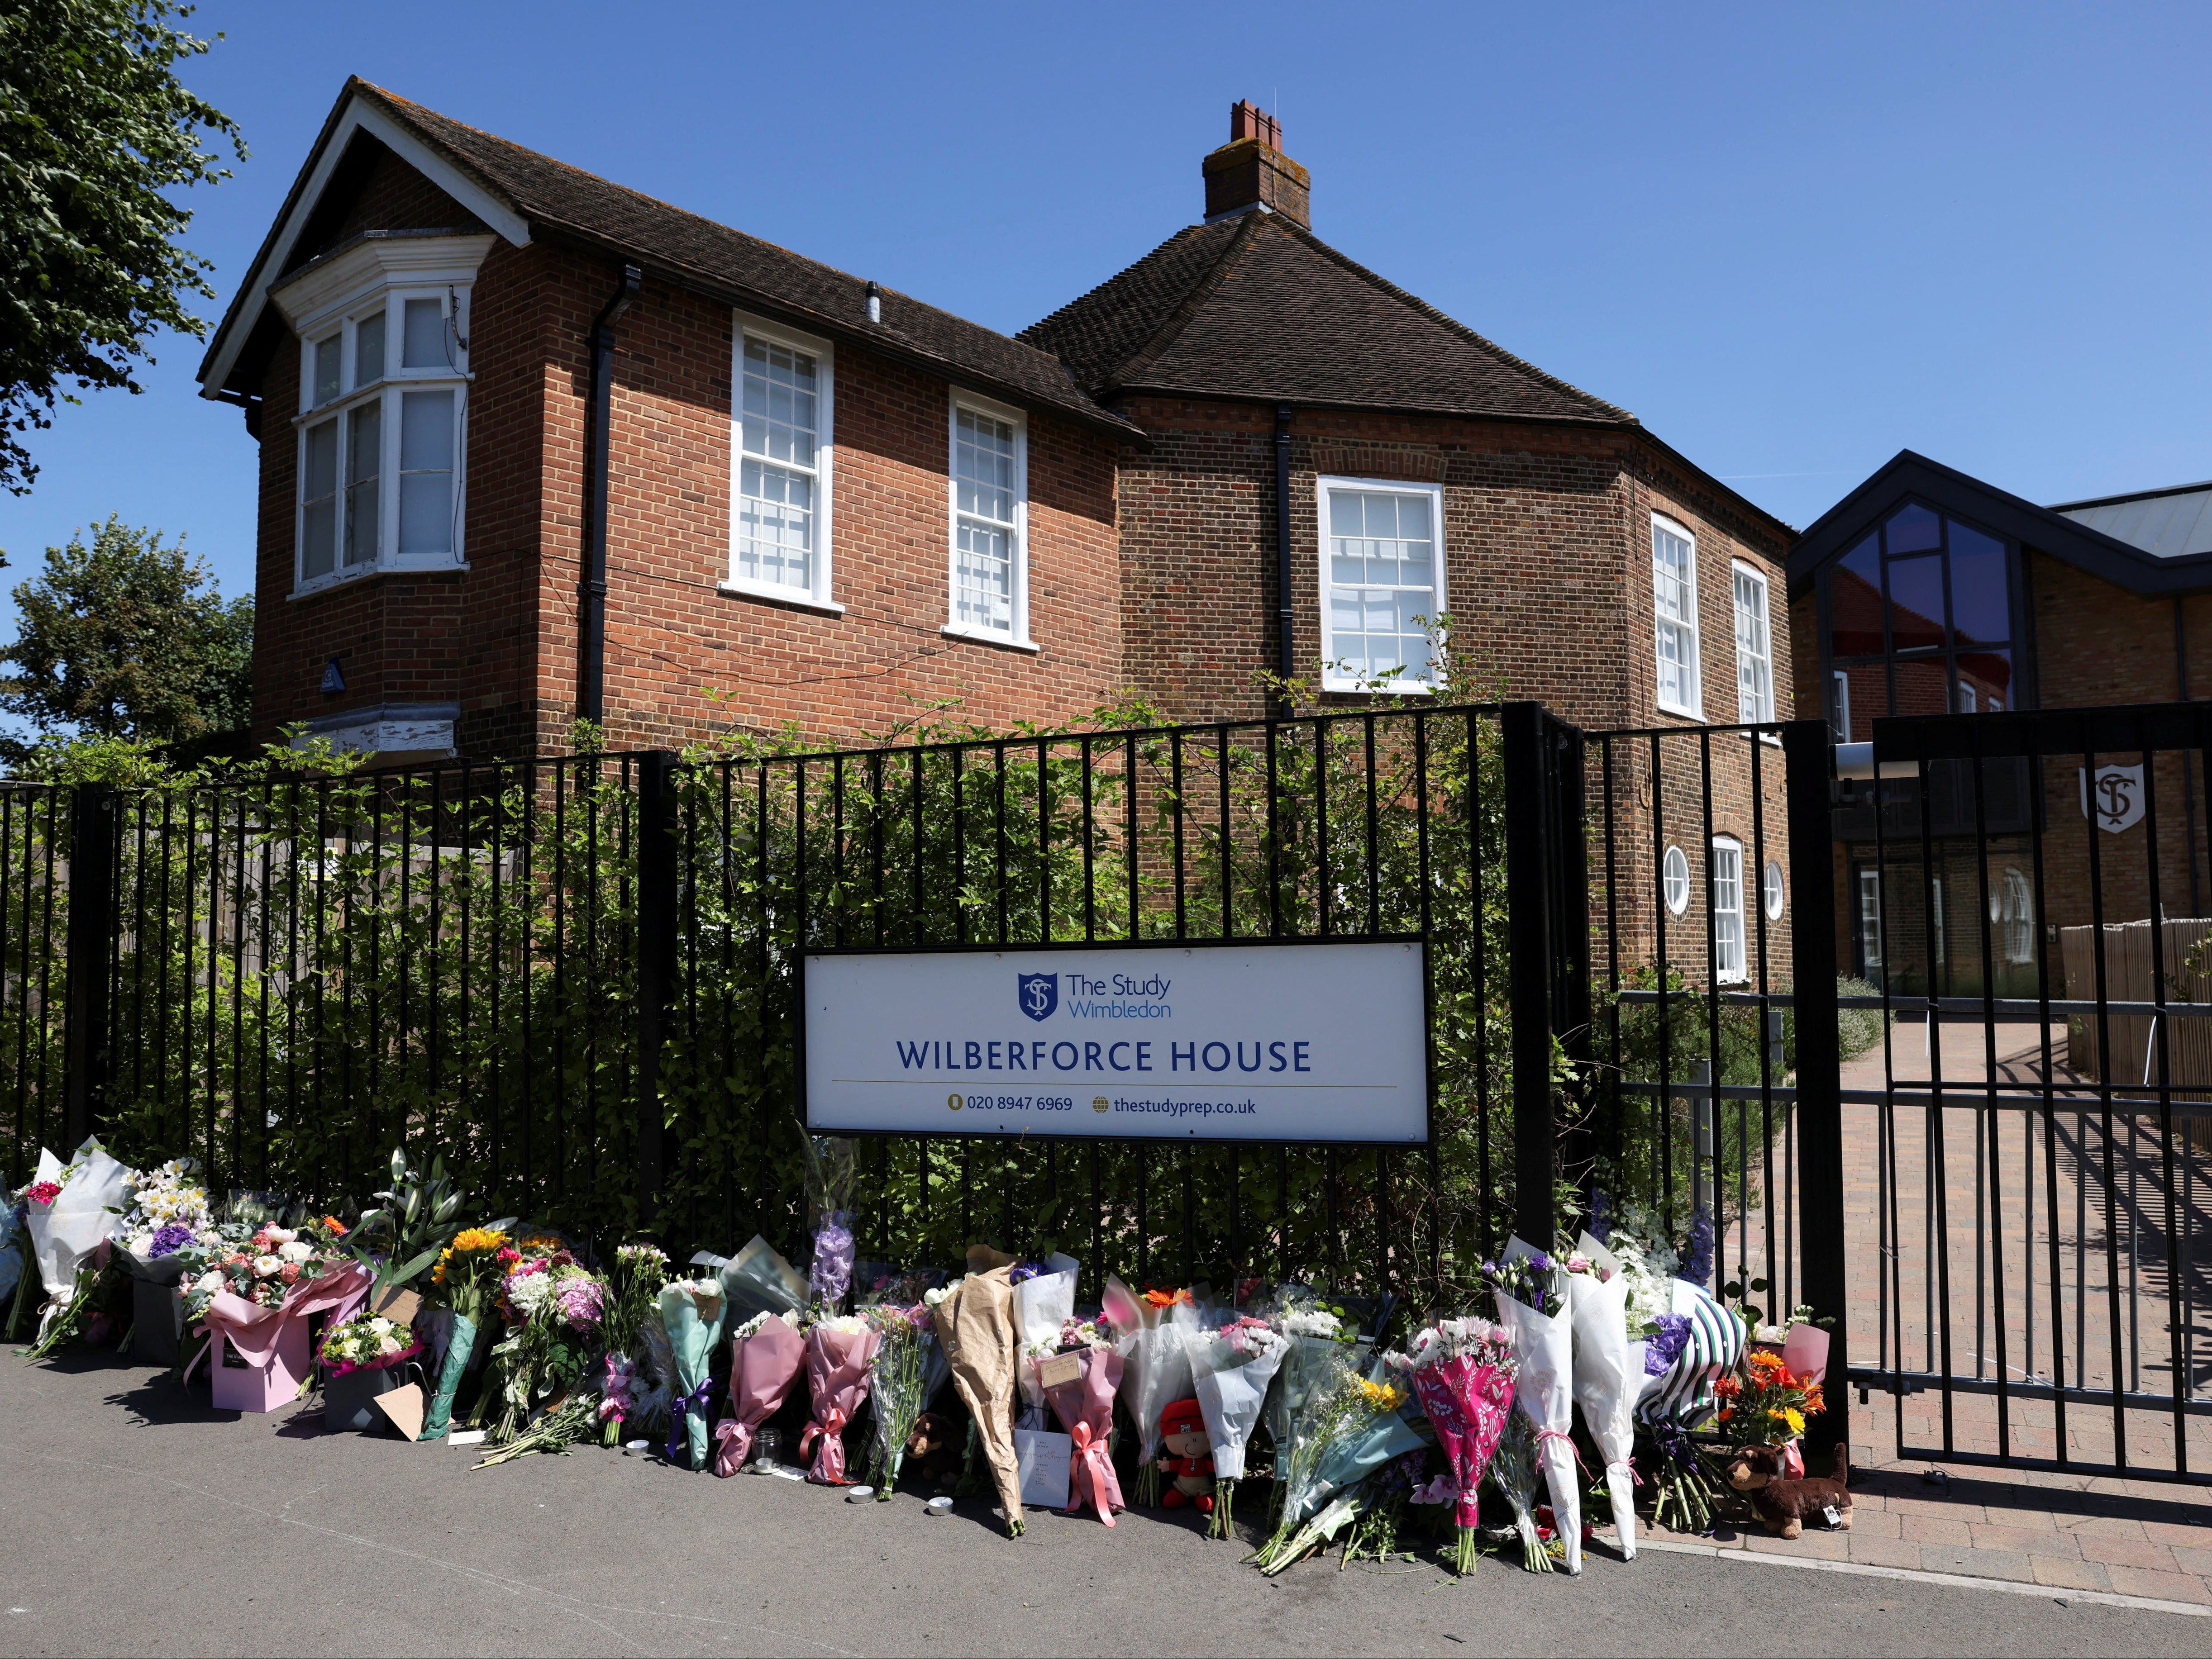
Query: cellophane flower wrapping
pixel 766 1355
pixel 898 1381
pixel 975 1326
pixel 1544 1385
pixel 1350 1426
pixel 691 1314
pixel 1609 1376
pixel 1231 1366
pixel 758 1280
pixel 1043 1302
pixel 838 1352
pixel 1085 1410
pixel 1515 1471
pixel 66 1230
pixel 170 1228
pixel 831 1163
pixel 1463 1371
pixel 1316 1348
pixel 1156 1372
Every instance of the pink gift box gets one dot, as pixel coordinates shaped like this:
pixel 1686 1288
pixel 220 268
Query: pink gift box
pixel 238 1386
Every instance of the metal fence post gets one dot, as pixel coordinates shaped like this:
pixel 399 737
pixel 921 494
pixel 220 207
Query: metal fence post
pixel 656 965
pixel 91 932
pixel 1522 731
pixel 1809 757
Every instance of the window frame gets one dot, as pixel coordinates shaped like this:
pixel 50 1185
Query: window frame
pixel 1840 715
pixel 1019 640
pixel 1323 483
pixel 1740 570
pixel 819 594
pixel 385 393
pixel 1721 847
pixel 1673 856
pixel 1694 671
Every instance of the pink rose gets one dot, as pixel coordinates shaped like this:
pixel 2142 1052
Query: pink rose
pixel 289 1273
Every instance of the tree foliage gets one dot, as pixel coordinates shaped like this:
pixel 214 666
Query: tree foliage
pixel 95 134
pixel 127 639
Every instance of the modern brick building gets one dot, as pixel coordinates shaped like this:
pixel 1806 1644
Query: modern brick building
pixel 537 447
pixel 1926 591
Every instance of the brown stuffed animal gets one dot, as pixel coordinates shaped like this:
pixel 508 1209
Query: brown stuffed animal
pixel 933 1449
pixel 1784 1504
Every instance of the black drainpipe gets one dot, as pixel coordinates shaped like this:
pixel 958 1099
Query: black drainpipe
pixel 592 677
pixel 1285 644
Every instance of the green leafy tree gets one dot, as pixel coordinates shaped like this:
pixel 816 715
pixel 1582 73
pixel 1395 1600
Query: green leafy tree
pixel 96 132
pixel 127 639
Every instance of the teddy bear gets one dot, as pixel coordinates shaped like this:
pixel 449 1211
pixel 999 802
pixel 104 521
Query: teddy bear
pixel 1784 1504
pixel 1188 1455
pixel 933 1451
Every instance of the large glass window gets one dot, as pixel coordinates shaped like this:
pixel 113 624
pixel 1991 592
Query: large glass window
pixel 988 579
pixel 1381 584
pixel 1755 649
pixel 1919 619
pixel 1674 600
pixel 777 476
pixel 370 392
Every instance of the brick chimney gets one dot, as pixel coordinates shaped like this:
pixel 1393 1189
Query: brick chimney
pixel 1251 171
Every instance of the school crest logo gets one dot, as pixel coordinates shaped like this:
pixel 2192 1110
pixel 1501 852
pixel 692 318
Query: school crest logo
pixel 1040 994
pixel 2114 797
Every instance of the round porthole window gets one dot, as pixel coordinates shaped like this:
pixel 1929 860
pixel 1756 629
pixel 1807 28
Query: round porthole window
pixel 1675 881
pixel 1770 890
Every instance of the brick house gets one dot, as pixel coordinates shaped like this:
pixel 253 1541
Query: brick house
pixel 1928 591
pixel 535 446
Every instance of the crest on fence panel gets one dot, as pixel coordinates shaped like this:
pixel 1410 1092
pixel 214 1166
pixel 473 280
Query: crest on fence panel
pixel 2117 793
pixel 1040 994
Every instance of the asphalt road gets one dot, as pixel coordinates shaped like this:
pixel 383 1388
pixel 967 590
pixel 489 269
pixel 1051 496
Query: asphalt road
pixel 134 1520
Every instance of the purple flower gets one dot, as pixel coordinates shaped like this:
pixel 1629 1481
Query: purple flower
pixel 1025 1270
pixel 582 1302
pixel 169 1240
pixel 1664 1349
pixel 1698 1267
pixel 833 1258
pixel 1601 1225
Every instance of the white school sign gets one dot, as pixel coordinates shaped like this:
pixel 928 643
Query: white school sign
pixel 1320 1042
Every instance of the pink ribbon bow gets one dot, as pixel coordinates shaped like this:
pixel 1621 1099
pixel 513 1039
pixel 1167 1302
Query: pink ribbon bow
pixel 1091 1475
pixel 830 1463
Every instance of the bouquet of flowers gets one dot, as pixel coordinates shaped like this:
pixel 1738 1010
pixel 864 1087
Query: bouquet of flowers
pixel 632 1391
pixel 1348 1428
pixel 691 1311
pixel 766 1352
pixel 169 1222
pixel 1231 1366
pixel 368 1342
pixel 463 1283
pixel 1610 1375
pixel 829 1167
pixel 1375 1531
pixel 1463 1372
pixel 555 1307
pixel 1688 1351
pixel 758 1280
pixel 282 1274
pixel 838 1351
pixel 898 1381
pixel 1044 1300
pixel 1765 1406
pixel 1513 1471
pixel 1156 1370
pixel 1080 1382
pixel 975 1321
pixel 629 1398
pixel 1320 1338
pixel 70 1211
pixel 1532 1306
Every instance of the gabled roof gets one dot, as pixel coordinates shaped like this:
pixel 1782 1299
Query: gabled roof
pixel 2167 523
pixel 2072 533
pixel 1258 307
pixel 520 193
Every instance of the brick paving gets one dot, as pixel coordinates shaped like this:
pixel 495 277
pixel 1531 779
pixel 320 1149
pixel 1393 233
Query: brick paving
pixel 1993 1234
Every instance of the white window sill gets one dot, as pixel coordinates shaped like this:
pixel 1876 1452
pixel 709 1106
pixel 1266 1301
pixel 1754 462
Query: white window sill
pixel 1398 687
pixel 325 584
pixel 1666 708
pixel 790 596
pixel 1003 642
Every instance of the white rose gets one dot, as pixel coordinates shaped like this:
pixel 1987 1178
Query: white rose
pixel 280 1235
pixel 1769 1333
pixel 208 1283
pixel 293 1250
pixel 265 1267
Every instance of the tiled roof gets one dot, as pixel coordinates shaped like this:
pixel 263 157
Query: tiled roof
pixel 1257 307
pixel 672 242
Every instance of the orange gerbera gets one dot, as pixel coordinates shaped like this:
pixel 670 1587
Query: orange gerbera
pixel 1165 1298
pixel 338 1227
pixel 1766 1365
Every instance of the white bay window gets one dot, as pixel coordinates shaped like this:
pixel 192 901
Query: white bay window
pixel 1675 601
pixel 783 439
pixel 1381 584
pixel 383 415
pixel 989 597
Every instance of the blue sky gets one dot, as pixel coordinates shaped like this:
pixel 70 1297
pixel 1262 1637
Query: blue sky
pixel 1793 240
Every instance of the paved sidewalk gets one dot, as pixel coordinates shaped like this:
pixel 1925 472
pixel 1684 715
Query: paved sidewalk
pixel 2126 1537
